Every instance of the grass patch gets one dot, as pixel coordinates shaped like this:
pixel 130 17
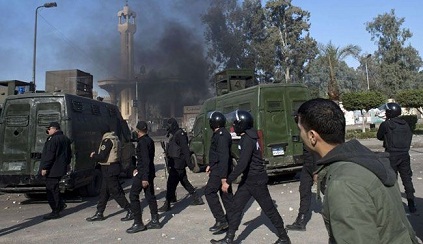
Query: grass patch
pixel 359 134
pixel 371 133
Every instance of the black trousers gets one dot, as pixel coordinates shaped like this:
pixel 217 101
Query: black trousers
pixel 54 197
pixel 260 193
pixel 111 188
pixel 400 162
pixel 306 182
pixel 134 197
pixel 211 191
pixel 176 176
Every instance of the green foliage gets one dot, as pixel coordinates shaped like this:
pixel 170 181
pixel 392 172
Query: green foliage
pixel 411 121
pixel 410 98
pixel 317 78
pixel 273 40
pixel 396 66
pixel 331 57
pixel 358 134
pixel 362 100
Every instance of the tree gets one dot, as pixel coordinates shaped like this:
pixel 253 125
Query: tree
pixel 288 28
pixel 410 99
pixel 225 36
pixel 398 65
pixel 332 57
pixel 273 40
pixel 363 101
pixel 317 77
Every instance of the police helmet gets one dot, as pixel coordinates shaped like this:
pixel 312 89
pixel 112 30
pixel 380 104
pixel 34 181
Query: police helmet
pixel 392 110
pixel 243 121
pixel 217 120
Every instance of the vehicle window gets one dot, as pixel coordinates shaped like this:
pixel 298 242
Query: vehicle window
pixel 77 106
pixel 274 106
pixel 245 106
pixel 95 109
pixel 198 126
pixel 48 112
pixel 228 109
pixel 17 115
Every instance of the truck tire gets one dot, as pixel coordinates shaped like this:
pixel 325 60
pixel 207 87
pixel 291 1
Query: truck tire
pixel 194 161
pixel 93 188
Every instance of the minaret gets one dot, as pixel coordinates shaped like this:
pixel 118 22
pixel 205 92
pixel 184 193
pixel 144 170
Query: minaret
pixel 122 89
pixel 127 29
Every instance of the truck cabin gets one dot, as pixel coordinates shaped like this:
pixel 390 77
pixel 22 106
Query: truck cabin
pixel 233 80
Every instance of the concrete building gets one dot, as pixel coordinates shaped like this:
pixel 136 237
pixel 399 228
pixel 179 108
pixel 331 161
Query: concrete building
pixel 13 87
pixel 72 81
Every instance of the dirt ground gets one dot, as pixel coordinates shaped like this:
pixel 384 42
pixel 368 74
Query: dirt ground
pixel 21 219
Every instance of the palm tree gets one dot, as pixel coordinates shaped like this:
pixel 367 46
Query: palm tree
pixel 332 56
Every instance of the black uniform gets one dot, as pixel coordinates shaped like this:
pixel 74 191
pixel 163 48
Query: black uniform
pixel 146 172
pixel 306 181
pixel 55 158
pixel 253 183
pixel 220 162
pixel 179 157
pixel 396 135
pixel 110 186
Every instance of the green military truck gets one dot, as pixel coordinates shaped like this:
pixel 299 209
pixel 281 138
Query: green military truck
pixel 272 106
pixel 23 124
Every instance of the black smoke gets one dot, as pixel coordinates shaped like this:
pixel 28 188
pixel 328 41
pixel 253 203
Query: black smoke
pixel 169 44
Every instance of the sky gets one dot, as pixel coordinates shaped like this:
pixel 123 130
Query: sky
pixel 82 34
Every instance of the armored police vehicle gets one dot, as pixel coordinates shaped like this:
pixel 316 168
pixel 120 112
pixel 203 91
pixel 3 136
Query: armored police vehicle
pixel 272 106
pixel 23 124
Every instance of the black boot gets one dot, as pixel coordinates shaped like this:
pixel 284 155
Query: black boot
pixel 154 223
pixel 283 238
pixel 411 205
pixel 218 226
pixel 62 206
pixel 196 199
pixel 174 199
pixel 129 216
pixel 299 224
pixel 228 239
pixel 136 228
pixel 165 207
pixel 52 215
pixel 98 216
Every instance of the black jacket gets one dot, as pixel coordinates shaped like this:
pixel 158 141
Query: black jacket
pixel 145 158
pixel 56 155
pixel 220 160
pixel 178 151
pixel 395 134
pixel 250 162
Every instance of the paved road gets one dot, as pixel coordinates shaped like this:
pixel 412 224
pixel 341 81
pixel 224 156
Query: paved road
pixel 21 219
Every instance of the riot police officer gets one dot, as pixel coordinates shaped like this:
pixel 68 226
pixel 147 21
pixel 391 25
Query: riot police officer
pixel 253 182
pixel 220 166
pixel 306 183
pixel 396 135
pixel 108 158
pixel 144 180
pixel 179 157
